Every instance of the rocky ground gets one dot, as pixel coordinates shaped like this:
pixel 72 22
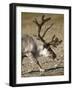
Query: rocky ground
pixel 52 67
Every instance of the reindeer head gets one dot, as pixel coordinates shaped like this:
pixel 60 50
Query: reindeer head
pixel 43 51
pixel 46 50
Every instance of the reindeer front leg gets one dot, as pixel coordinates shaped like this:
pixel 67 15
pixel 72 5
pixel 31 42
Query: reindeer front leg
pixel 34 60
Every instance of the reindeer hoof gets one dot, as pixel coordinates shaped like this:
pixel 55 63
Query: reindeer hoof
pixel 42 70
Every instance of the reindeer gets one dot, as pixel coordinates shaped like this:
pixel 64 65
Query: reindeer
pixel 30 48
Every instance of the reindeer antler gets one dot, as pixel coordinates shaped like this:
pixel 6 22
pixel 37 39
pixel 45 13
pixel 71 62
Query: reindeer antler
pixel 54 42
pixel 39 25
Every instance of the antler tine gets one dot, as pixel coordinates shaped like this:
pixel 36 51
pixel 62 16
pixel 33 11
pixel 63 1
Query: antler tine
pixel 43 17
pixel 42 22
pixel 45 20
pixel 55 41
pixel 36 22
pixel 47 30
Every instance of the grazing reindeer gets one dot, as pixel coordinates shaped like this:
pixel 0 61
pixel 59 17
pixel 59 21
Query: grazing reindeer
pixel 30 48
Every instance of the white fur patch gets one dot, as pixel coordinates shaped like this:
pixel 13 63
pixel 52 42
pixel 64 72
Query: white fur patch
pixel 44 52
